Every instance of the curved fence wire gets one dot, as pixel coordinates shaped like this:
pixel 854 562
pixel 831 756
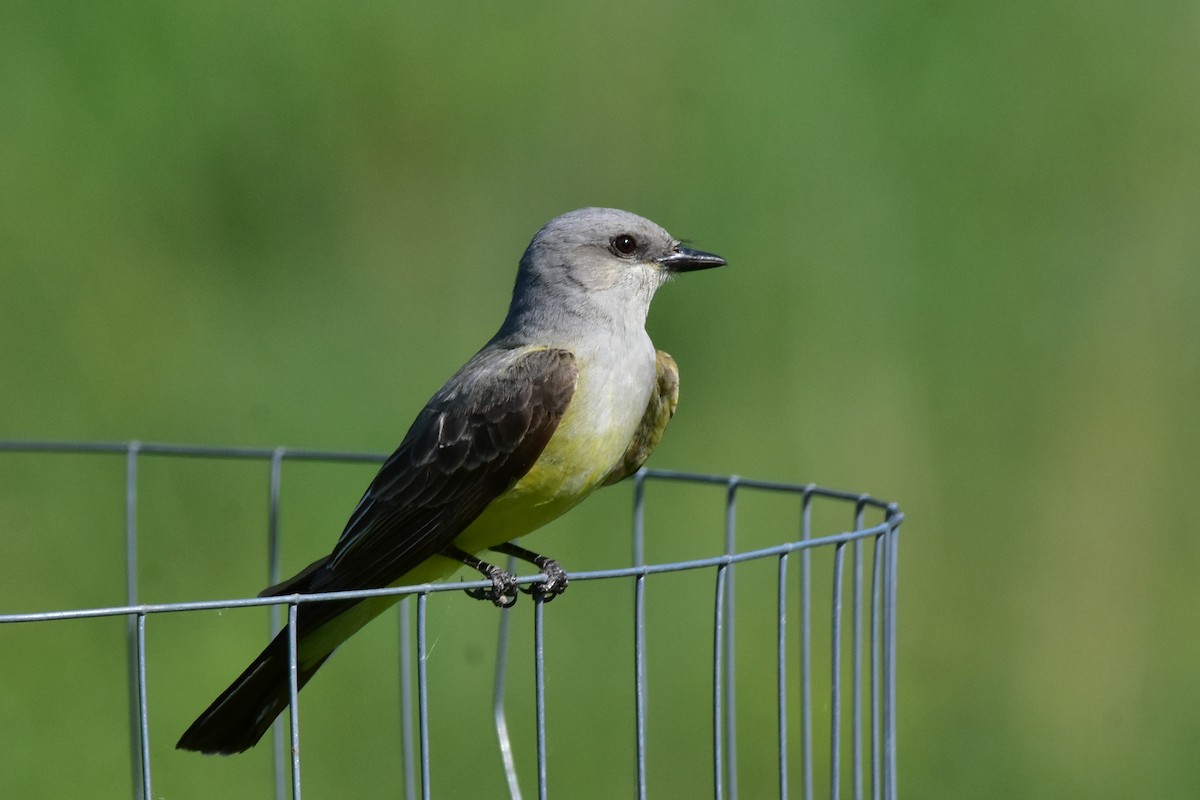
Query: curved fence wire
pixel 854 740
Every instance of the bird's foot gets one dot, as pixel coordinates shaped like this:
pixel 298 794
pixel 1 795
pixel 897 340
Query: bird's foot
pixel 555 583
pixel 503 591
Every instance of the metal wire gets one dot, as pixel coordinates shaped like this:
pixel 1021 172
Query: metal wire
pixel 871 624
pixel 499 714
pixel 137 731
pixel 293 701
pixel 143 713
pixel 539 673
pixel 806 753
pixel 639 633
pixel 781 670
pixel 406 716
pixel 274 574
pixel 423 692
pixel 728 654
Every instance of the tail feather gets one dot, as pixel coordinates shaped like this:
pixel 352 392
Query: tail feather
pixel 239 717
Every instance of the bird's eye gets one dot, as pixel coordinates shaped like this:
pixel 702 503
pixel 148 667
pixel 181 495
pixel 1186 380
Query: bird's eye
pixel 624 244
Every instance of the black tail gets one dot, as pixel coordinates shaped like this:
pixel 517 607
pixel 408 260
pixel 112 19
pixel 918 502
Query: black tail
pixel 236 720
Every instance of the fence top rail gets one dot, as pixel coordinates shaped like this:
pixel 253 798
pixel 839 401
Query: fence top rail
pixel 303 454
pixel 724 560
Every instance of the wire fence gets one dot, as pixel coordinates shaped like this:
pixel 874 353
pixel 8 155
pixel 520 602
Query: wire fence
pixel 855 743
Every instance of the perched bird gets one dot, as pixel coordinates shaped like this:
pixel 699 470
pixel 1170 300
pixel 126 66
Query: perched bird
pixel 568 396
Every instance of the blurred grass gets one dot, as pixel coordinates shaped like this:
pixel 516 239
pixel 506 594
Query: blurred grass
pixel 965 276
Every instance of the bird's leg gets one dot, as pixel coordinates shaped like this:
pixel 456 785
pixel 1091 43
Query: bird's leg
pixel 503 592
pixel 556 577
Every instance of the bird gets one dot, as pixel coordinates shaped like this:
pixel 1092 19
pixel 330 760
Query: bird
pixel 570 395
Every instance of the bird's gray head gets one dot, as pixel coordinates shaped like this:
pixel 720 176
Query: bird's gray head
pixel 601 263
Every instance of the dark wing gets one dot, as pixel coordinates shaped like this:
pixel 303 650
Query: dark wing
pixel 478 435
pixel 659 411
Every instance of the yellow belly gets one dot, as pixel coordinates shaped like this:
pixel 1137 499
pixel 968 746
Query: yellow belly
pixel 573 465
pixel 590 439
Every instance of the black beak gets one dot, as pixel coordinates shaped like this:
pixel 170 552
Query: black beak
pixel 685 259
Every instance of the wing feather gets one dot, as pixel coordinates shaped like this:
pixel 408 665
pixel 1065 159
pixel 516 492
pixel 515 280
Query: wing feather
pixel 474 439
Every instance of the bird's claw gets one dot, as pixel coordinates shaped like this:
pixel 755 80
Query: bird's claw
pixel 502 593
pixel 555 583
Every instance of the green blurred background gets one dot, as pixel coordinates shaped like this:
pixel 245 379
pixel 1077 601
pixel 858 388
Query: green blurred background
pixel 965 276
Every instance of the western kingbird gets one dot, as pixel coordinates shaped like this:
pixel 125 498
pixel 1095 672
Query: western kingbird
pixel 568 396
